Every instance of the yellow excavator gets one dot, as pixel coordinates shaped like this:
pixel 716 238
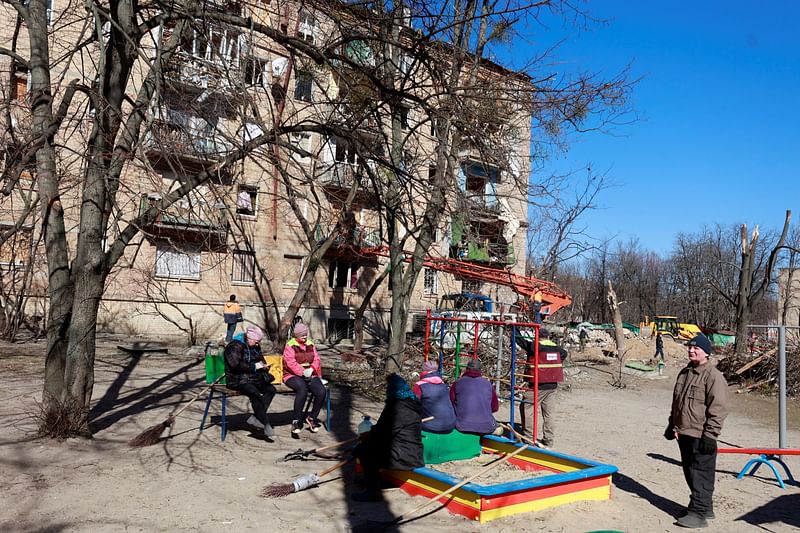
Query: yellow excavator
pixel 669 326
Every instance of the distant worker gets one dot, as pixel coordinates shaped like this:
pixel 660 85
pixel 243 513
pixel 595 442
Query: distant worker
pixel 435 397
pixel 659 347
pixel 537 307
pixel 551 373
pixel 232 315
pixel 583 337
pixel 699 408
pixel 474 401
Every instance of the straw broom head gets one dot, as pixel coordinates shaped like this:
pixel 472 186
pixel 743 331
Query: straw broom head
pixel 151 435
pixel 277 490
pixel 301 483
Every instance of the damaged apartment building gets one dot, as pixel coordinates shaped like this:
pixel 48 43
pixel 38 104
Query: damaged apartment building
pixel 251 228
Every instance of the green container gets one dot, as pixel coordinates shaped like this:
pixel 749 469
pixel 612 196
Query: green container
pixel 215 367
pixel 440 448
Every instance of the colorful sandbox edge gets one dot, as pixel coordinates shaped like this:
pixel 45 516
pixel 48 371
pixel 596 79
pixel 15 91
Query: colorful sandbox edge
pixel 575 479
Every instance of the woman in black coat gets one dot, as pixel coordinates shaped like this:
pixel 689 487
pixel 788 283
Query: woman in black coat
pixel 395 441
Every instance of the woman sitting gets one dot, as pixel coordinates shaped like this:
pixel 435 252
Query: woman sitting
pixel 302 372
pixel 395 441
pixel 435 397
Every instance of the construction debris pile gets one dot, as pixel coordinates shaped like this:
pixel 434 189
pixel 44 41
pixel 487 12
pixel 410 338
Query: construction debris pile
pixel 758 371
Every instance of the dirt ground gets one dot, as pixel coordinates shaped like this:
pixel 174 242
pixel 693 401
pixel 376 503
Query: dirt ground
pixel 193 482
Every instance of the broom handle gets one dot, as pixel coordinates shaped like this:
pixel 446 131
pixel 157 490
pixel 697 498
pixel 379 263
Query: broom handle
pixel 196 396
pixel 461 484
pixel 335 467
pixel 348 441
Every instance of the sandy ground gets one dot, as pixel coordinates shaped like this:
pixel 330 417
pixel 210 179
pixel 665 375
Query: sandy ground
pixel 193 482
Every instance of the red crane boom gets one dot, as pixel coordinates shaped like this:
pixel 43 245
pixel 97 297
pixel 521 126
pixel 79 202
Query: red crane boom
pixel 553 298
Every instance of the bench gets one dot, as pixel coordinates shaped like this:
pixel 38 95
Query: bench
pixel 766 456
pixel 215 366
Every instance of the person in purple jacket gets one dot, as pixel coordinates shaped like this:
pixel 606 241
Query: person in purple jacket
pixel 474 400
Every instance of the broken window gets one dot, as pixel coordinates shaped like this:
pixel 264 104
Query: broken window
pixel 479 183
pixel 307 30
pixel 343 274
pixel 303 86
pixel 246 200
pixel 20 83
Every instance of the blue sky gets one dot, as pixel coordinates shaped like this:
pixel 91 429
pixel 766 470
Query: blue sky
pixel 717 140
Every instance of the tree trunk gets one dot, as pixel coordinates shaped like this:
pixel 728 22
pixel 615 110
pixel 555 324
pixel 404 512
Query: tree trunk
pixel 619 331
pixel 747 297
pixel 358 323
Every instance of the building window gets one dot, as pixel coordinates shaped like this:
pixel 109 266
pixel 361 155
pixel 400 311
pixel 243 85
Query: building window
pixel 303 86
pixel 177 264
pixel 479 183
pixel 343 275
pixel 256 73
pixel 294 269
pixel 16 250
pixel 20 83
pixel 246 200
pixel 341 328
pixel 472 286
pixel 431 281
pixel 431 174
pixel 244 267
pixel 307 30
pixel 402 115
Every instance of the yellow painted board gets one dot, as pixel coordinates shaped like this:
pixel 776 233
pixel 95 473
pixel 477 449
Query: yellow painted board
pixel 543 459
pixel 461 496
pixel 598 493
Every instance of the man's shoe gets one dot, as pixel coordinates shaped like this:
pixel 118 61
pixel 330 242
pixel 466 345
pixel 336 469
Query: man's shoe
pixel 708 515
pixel 296 427
pixel 313 425
pixel 268 431
pixel 253 421
pixel 692 521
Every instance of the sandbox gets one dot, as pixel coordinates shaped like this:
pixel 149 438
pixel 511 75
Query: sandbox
pixel 569 479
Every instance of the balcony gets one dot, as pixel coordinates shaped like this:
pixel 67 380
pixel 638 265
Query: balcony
pixel 203 75
pixel 349 242
pixel 199 223
pixel 171 145
pixel 489 252
pixel 338 178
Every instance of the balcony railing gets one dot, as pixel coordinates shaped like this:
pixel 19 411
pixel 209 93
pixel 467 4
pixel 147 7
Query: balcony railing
pixel 173 138
pixel 339 175
pixel 358 237
pixel 202 73
pixel 187 221
pixel 493 253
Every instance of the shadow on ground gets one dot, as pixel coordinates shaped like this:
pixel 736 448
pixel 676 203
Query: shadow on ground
pixel 781 509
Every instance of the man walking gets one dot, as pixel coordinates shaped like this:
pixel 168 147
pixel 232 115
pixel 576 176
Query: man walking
pixel 659 347
pixel 699 407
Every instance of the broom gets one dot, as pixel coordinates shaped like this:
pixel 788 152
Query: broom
pixel 303 454
pixel 280 490
pixel 152 435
